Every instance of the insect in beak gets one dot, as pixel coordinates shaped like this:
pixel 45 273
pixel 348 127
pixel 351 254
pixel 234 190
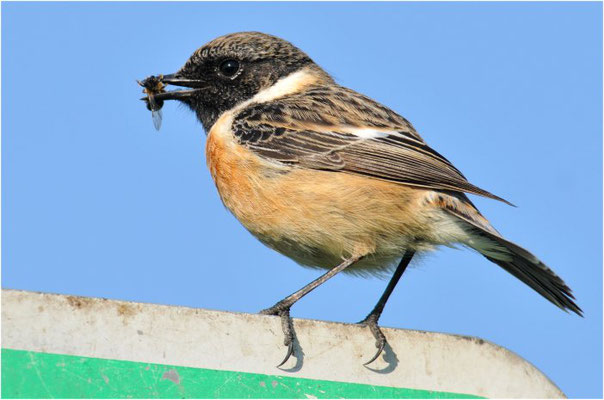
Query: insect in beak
pixel 154 88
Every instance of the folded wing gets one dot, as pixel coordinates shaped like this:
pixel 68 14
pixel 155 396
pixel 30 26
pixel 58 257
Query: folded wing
pixel 347 132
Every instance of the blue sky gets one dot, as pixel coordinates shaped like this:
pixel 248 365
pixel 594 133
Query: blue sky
pixel 95 202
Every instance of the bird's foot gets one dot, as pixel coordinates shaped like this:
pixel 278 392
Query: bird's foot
pixel 286 325
pixel 380 340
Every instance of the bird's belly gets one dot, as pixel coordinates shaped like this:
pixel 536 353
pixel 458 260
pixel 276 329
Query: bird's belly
pixel 317 218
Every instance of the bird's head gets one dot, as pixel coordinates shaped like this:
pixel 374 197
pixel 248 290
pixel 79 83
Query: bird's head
pixel 232 69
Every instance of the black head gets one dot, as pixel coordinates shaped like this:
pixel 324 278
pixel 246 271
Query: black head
pixel 231 69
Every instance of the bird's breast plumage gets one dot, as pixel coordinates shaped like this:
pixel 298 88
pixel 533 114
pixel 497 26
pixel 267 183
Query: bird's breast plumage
pixel 315 217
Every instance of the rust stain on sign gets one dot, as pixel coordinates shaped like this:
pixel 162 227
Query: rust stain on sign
pixel 79 302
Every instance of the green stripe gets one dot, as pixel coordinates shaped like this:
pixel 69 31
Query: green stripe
pixel 28 374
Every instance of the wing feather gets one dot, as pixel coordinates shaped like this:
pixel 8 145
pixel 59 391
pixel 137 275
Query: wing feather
pixel 341 130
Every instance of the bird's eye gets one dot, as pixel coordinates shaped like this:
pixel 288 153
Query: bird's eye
pixel 229 67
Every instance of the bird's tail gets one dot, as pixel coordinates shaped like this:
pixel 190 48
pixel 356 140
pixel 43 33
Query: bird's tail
pixel 516 260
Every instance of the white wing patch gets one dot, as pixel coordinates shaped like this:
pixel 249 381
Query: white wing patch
pixel 368 133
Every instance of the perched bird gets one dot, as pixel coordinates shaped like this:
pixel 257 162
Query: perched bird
pixel 329 177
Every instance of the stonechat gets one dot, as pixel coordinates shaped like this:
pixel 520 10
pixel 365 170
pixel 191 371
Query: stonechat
pixel 329 177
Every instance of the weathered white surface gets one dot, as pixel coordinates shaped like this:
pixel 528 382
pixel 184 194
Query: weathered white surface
pixel 253 343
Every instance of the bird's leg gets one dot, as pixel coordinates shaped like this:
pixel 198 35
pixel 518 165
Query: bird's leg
pixel 282 307
pixel 371 321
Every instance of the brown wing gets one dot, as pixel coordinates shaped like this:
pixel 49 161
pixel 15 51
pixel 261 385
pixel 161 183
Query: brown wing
pixel 336 129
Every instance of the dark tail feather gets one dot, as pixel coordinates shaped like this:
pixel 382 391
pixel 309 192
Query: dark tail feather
pixel 520 263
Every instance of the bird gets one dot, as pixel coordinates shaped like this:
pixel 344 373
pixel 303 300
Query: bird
pixel 329 177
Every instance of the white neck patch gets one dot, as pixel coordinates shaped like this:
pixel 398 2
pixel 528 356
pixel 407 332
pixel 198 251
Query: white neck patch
pixel 292 83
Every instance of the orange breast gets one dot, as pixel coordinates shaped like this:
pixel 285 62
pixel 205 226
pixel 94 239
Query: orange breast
pixel 315 217
pixel 237 173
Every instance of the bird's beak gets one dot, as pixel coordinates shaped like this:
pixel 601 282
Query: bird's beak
pixel 177 80
pixel 171 79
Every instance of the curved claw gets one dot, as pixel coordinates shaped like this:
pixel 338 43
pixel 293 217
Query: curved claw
pixel 380 339
pixel 290 351
pixel 286 326
pixel 380 345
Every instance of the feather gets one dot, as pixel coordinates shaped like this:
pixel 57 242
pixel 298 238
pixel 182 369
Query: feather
pixel 334 128
pixel 515 260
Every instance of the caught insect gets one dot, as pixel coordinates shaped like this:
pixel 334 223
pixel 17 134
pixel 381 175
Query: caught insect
pixel 152 86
